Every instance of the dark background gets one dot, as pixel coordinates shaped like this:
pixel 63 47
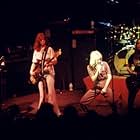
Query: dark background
pixel 20 21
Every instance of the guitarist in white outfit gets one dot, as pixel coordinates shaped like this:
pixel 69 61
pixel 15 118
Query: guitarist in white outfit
pixel 42 71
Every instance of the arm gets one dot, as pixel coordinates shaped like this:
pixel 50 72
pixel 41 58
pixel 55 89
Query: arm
pixel 93 73
pixel 34 62
pixel 130 65
pixel 33 66
pixel 53 62
pixel 129 69
pixel 108 80
pixel 51 54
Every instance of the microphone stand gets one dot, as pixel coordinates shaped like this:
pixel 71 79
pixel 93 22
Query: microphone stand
pixel 110 43
pixel 114 108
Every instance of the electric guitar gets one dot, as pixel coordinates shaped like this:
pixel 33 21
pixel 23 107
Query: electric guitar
pixel 38 75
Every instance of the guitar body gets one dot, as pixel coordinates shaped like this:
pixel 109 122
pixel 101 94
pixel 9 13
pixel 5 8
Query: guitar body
pixel 38 75
pixel 35 78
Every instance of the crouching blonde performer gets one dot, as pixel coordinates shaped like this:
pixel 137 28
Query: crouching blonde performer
pixel 100 73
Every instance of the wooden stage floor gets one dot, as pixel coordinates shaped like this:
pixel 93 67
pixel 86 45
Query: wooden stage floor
pixel 28 103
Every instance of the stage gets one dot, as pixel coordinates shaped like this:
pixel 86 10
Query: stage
pixel 28 102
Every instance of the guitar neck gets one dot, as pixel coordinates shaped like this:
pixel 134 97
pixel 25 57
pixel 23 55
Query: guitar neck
pixel 50 60
pixel 55 56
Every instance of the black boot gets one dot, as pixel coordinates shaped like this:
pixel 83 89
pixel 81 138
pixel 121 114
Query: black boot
pixel 84 108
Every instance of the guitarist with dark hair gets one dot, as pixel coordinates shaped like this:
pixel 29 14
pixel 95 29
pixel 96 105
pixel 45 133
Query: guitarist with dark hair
pixel 133 81
pixel 42 71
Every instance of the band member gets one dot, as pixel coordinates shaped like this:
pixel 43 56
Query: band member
pixel 133 80
pixel 42 71
pixel 100 73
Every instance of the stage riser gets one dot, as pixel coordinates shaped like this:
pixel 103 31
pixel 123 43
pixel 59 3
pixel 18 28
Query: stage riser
pixel 118 84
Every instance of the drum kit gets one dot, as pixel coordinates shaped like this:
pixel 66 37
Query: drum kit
pixel 125 39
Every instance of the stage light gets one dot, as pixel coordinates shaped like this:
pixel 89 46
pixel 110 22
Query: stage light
pixel 112 2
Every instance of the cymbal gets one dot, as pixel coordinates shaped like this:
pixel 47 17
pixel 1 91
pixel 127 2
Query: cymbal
pixel 123 41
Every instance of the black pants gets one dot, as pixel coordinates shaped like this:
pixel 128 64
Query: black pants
pixel 133 85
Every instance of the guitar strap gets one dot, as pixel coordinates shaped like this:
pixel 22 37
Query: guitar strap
pixel 42 71
pixel 43 60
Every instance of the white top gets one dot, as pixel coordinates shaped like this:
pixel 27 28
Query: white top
pixel 37 57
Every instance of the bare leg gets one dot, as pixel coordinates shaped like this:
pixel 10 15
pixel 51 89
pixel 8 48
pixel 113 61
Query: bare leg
pixel 41 93
pixel 52 94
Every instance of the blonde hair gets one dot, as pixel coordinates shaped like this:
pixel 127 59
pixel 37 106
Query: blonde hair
pixel 94 57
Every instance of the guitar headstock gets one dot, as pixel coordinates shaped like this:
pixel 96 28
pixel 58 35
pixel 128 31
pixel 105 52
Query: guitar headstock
pixel 57 53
